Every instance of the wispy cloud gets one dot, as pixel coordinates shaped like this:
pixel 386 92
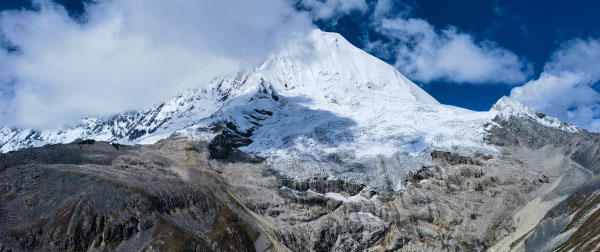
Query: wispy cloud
pixel 566 88
pixel 129 53
pixel 497 9
pixel 524 30
pixel 425 53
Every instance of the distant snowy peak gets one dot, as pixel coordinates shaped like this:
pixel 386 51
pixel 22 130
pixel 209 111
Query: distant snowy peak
pixel 507 107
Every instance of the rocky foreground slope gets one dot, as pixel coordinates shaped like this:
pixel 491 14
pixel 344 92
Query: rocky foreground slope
pixel 540 194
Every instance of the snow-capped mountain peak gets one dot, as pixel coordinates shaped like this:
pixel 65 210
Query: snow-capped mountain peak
pixel 328 64
pixel 507 107
pixel 324 68
pixel 318 99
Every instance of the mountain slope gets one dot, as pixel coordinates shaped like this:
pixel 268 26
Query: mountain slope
pixel 172 196
pixel 321 148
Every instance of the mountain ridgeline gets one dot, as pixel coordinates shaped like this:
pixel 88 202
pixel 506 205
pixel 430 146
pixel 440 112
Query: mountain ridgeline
pixel 322 147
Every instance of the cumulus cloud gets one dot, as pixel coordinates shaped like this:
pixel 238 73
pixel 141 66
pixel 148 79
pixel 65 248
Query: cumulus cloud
pixel 332 9
pixel 566 87
pixel 426 54
pixel 129 53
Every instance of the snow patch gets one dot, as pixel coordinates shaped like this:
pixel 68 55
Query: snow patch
pixel 337 196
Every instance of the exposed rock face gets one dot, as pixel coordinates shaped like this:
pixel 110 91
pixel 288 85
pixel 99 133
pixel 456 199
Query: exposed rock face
pixel 582 148
pixel 83 197
pixel 568 210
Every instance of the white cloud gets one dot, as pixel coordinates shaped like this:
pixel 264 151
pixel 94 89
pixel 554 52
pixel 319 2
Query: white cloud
pixel 577 56
pixel 130 53
pixel 332 9
pixel 391 9
pixel 565 88
pixel 427 54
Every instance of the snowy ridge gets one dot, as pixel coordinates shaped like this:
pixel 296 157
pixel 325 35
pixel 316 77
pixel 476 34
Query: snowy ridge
pixel 146 126
pixel 507 107
pixel 135 127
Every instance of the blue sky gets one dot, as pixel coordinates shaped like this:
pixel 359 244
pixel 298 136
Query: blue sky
pixel 468 53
